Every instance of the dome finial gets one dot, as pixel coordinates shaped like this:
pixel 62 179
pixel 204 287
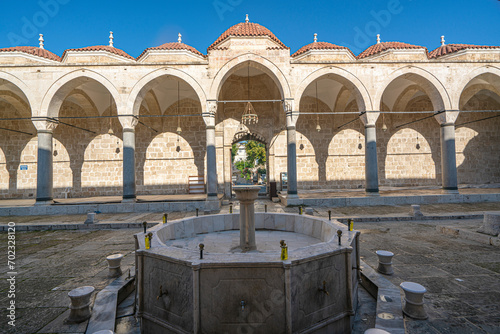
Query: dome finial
pixel 41 41
pixel 315 37
pixel 246 18
pixel 179 38
pixel 378 38
pixel 111 38
pixel 442 40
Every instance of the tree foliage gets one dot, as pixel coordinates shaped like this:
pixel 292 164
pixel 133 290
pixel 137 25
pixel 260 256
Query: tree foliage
pixel 255 160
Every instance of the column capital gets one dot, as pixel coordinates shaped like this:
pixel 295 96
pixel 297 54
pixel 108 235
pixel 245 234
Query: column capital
pixel 211 108
pixel 291 115
pixel 446 117
pixel 44 124
pixel 128 122
pixel 369 118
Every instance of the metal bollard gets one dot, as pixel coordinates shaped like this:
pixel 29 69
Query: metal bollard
pixel 329 214
pixel 165 218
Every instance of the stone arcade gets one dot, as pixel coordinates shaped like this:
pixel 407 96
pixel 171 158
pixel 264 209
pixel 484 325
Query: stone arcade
pixel 99 122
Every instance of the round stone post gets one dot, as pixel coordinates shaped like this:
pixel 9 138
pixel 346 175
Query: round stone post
pixel 247 196
pixel 448 151
pixel 209 119
pixel 128 164
pixel 369 119
pixel 80 304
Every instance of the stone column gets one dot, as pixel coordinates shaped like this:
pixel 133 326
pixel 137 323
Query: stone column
pixel 209 118
pixel 291 121
pixel 129 124
pixel 369 119
pixel 448 151
pixel 45 167
pixel 129 164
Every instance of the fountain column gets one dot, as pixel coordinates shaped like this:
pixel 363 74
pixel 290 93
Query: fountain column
pixel 247 196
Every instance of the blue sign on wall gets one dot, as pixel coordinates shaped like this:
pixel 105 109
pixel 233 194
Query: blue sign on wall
pixel 24 167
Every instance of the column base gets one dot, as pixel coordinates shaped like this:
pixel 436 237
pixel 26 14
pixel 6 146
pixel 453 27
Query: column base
pixel 448 191
pixel 372 192
pixel 129 199
pixel 44 201
pixel 212 197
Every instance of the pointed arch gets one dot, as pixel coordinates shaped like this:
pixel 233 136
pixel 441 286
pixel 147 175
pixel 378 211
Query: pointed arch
pixel 343 76
pixel 57 92
pixel 256 61
pixel 431 85
pixel 151 79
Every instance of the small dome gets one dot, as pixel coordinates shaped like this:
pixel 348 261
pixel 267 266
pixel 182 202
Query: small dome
pixel 173 46
pixel 382 46
pixel 35 51
pixel 246 29
pixel 451 48
pixel 320 46
pixel 106 48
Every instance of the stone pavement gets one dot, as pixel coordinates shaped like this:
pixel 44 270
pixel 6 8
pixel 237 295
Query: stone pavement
pixel 462 277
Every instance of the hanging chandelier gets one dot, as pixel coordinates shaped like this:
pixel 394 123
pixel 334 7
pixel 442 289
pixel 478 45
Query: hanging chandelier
pixel 249 116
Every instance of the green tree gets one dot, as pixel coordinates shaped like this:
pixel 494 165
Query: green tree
pixel 256 153
pixel 234 150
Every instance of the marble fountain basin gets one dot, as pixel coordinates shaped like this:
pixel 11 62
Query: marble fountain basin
pixel 230 291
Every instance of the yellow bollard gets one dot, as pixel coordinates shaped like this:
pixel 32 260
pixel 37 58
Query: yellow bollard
pixel 165 217
pixel 350 224
pixel 284 250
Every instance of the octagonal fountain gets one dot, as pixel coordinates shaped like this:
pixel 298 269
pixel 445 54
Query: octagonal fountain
pixel 239 283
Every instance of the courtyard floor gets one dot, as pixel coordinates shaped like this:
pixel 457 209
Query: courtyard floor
pixel 462 277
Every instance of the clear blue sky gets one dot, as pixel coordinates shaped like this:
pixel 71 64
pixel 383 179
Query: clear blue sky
pixel 138 25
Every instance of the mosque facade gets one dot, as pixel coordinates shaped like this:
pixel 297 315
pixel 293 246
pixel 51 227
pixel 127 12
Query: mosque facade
pixel 99 122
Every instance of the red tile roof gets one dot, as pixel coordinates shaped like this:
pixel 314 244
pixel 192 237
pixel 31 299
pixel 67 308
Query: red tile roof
pixel 173 46
pixel 32 50
pixel 246 29
pixel 450 48
pixel 106 48
pixel 320 46
pixel 382 46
